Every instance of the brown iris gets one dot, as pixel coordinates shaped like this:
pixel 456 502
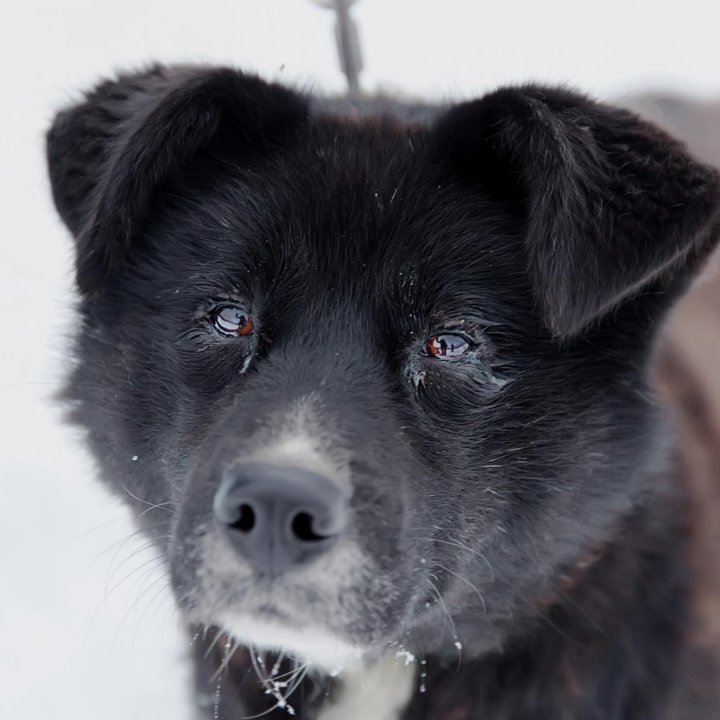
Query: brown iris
pixel 447 346
pixel 233 321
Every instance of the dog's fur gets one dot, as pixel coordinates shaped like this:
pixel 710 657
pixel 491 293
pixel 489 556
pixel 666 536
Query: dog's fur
pixel 516 541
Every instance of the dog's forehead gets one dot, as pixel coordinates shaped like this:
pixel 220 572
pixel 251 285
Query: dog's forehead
pixel 371 200
pixel 363 214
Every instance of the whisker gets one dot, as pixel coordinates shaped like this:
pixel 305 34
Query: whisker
pixel 152 506
pixel 465 580
pixel 280 690
pixel 293 671
pixel 160 506
pixel 158 585
pixel 153 560
pixel 230 649
pixel 216 706
pixel 212 645
pixel 96 528
pixel 468 549
pixel 114 567
pixel 441 599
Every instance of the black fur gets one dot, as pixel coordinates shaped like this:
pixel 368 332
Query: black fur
pixel 517 503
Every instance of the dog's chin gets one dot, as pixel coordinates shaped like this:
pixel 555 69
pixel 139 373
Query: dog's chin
pixel 321 649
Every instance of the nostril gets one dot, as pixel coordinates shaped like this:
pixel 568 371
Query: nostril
pixel 302 527
pixel 279 517
pixel 246 521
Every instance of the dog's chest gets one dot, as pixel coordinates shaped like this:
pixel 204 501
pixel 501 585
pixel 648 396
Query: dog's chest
pixel 380 692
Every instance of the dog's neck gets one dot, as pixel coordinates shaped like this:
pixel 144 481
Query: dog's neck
pixel 605 646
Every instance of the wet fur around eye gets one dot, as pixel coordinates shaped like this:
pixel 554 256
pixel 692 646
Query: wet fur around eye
pixel 456 387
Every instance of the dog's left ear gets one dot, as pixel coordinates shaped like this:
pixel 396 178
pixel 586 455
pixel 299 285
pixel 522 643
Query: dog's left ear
pixel 611 203
pixel 113 152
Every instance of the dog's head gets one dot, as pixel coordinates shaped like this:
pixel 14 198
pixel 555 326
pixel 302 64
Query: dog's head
pixel 368 382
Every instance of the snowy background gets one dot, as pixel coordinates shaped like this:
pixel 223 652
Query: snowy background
pixel 87 629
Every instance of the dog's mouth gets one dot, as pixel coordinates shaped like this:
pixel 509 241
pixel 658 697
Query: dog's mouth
pixel 269 629
pixel 323 613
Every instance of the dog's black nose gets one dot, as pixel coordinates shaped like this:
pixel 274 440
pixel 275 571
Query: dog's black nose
pixel 279 517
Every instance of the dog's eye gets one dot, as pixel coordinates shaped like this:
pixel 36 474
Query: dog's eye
pixel 446 346
pixel 232 321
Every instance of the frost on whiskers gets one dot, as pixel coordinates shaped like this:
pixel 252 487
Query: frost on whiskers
pixel 280 686
pixel 276 684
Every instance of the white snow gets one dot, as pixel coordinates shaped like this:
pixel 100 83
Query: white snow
pixel 87 628
pixel 406 656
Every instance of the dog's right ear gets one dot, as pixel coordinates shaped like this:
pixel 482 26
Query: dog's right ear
pixel 611 204
pixel 109 155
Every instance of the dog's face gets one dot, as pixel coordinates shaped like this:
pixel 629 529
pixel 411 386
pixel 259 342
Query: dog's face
pixel 370 385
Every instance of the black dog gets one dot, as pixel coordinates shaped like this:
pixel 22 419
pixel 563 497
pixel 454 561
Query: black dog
pixel 374 381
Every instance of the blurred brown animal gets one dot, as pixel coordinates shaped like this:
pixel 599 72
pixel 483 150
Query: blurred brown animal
pixel 695 121
pixel 688 375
